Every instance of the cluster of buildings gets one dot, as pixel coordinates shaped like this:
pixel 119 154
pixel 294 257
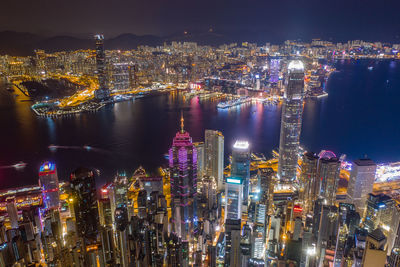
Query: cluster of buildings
pixel 204 210
pixel 226 68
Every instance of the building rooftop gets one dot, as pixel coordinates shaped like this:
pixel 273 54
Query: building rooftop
pixel 377 235
pixel 241 145
pixel 296 65
pixel 364 162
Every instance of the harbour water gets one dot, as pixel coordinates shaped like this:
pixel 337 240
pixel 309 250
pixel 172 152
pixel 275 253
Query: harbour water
pixel 359 117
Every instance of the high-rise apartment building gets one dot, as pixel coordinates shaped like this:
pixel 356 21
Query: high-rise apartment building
pixel 291 122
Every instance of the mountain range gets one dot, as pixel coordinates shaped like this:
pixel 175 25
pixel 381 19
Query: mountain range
pixel 24 44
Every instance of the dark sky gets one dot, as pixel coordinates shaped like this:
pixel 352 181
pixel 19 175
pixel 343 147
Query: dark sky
pixel 339 19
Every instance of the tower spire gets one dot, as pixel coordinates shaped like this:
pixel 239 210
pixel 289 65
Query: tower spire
pixel 182 124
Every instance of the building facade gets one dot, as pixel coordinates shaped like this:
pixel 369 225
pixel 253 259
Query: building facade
pixel 362 177
pixel 214 156
pixel 183 175
pixel 291 122
pixel 241 167
pixel 48 181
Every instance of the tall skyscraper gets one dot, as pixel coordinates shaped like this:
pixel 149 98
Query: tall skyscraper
pixel 183 175
pixel 291 122
pixel 200 160
pixel 309 184
pixel 214 156
pixel 118 193
pixel 361 180
pixel 12 212
pixel 382 211
pixel 233 198
pixel 48 181
pixel 379 212
pixel 328 175
pixel 274 70
pixel 241 166
pixel 102 92
pixel 232 243
pixel 83 187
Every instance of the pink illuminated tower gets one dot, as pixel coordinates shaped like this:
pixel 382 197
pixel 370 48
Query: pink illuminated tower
pixel 48 181
pixel 183 175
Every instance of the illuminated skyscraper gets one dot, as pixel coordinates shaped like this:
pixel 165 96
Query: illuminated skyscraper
pixel 328 175
pixel 274 70
pixel 232 243
pixel 309 184
pixel 12 213
pixel 102 92
pixel 241 166
pixel 48 181
pixel 291 122
pixel 233 198
pixel 379 213
pixel 200 160
pixel 83 187
pixel 183 175
pixel 121 76
pixel 214 156
pixel 361 180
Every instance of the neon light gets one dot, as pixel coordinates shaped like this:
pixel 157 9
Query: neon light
pixel 233 181
pixel 47 167
pixel 241 145
pixel 297 209
pixel 327 154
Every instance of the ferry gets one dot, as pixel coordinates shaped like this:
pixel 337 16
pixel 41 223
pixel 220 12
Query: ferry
pixel 324 94
pixel 234 102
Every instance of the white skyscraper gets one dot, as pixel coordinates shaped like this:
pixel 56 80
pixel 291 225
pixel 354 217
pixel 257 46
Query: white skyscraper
pixel 361 180
pixel 292 111
pixel 214 156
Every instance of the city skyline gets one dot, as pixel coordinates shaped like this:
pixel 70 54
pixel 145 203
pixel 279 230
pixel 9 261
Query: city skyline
pixel 180 153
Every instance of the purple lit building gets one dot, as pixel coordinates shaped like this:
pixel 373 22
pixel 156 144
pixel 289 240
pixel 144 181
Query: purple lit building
pixel 274 70
pixel 183 175
pixel 48 181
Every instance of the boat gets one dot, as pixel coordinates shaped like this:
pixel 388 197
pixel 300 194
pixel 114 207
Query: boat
pixel 232 103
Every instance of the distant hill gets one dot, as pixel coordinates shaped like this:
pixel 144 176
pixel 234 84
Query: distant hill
pixel 63 43
pixel 17 43
pixel 23 44
pixel 129 41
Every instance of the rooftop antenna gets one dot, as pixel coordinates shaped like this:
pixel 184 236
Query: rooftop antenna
pixel 182 122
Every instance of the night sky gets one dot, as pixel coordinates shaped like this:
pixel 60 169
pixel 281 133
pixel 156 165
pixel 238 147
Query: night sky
pixel 280 19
